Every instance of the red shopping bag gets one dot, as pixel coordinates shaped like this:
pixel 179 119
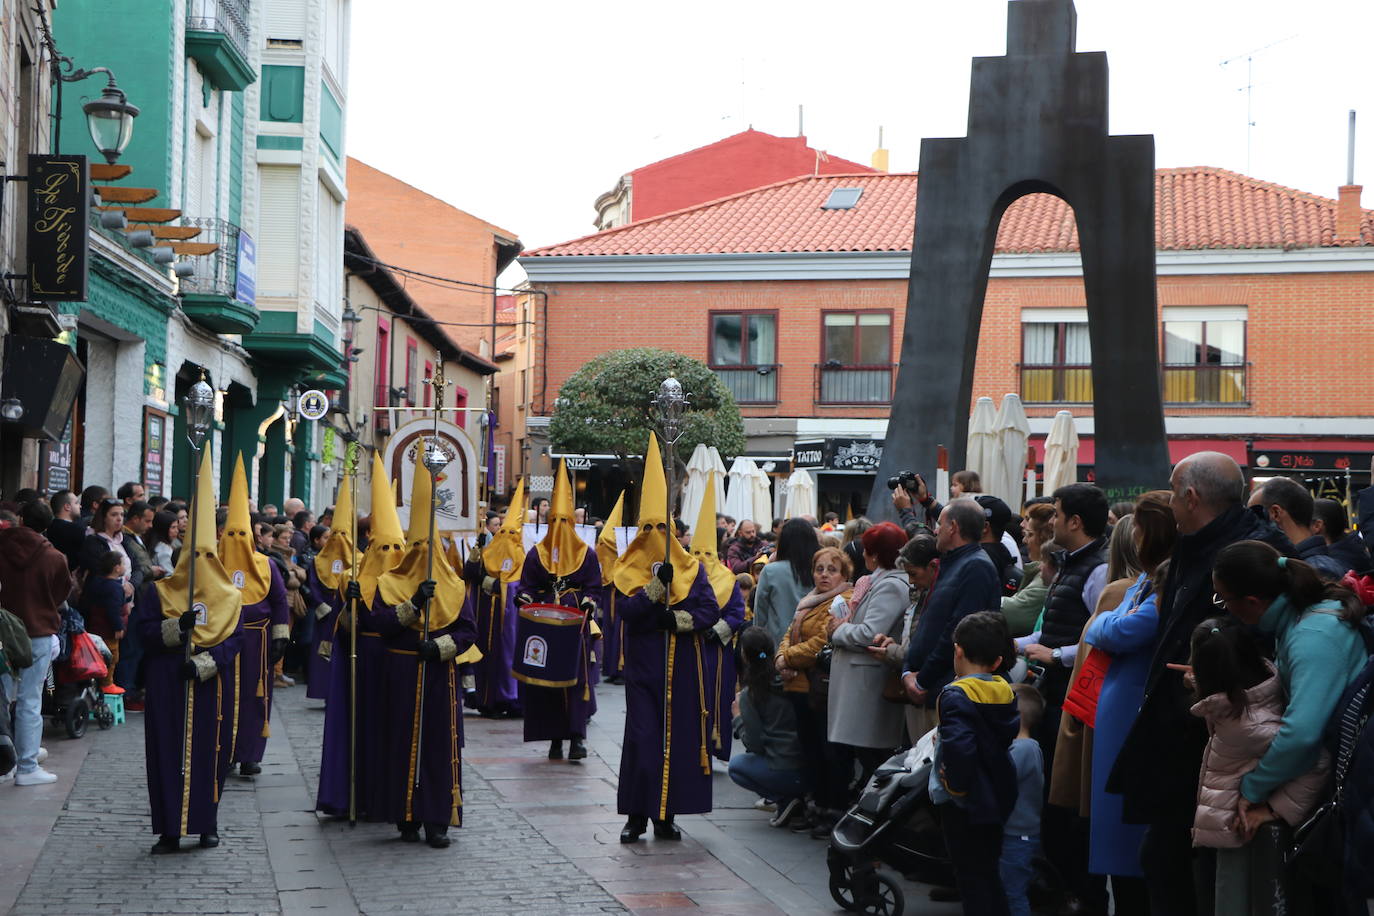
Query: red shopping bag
pixel 85 661
pixel 1081 700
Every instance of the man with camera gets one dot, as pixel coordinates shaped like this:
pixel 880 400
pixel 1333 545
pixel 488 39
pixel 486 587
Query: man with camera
pixel 917 509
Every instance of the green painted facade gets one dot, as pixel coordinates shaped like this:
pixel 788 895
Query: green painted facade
pixel 236 114
pixel 268 141
pixel 283 94
pixel 116 297
pixel 331 122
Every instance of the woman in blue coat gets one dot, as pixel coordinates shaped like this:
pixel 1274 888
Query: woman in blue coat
pixel 1128 635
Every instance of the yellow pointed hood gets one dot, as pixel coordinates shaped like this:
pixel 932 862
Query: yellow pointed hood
pixel 386 542
pixel 217 601
pixel 562 551
pixel 704 546
pixel 607 547
pixel 334 564
pixel 645 553
pixel 399 584
pixel 504 555
pixel 249 570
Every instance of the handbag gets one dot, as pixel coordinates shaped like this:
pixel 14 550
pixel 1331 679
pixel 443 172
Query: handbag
pixel 1081 700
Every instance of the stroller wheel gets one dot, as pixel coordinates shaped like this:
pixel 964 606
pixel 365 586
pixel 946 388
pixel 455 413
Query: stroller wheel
pixel 842 886
pixel 77 715
pixel 104 716
pixel 886 899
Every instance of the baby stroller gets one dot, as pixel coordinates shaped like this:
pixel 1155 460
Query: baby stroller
pixel 75 697
pixel 894 823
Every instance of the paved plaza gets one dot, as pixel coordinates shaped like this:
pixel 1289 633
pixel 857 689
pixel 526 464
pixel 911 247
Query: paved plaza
pixel 539 837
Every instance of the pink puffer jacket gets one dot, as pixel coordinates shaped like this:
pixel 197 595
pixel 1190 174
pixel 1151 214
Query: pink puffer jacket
pixel 1235 748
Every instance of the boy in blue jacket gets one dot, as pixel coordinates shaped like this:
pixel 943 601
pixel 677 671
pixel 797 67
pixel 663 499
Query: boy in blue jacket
pixel 973 781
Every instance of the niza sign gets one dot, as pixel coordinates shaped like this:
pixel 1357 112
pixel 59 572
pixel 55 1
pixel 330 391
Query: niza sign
pixel 59 210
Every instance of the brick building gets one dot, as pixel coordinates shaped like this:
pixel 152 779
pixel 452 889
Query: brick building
pixel 795 294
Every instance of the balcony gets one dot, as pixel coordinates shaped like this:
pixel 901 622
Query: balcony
pixel 217 38
pixel 837 384
pixel 750 384
pixel 1209 384
pixel 208 297
pixel 1057 384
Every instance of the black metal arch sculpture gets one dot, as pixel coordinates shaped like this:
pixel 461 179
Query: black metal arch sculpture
pixel 1037 123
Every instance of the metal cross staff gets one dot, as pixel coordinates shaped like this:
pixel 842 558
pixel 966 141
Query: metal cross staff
pixel 435 458
pixel 672 405
pixel 351 468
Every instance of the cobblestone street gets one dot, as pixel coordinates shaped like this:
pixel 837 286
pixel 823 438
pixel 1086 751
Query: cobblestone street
pixel 539 837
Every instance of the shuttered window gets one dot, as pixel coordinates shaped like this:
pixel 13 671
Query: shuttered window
pixel 328 252
pixel 284 20
pixel 279 231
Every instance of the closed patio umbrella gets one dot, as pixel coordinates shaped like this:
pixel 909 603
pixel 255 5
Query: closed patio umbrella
pixel 801 495
pixel 698 479
pixel 982 440
pixel 1061 453
pixel 1012 429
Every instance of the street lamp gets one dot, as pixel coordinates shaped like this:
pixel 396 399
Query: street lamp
pixel 110 118
pixel 199 404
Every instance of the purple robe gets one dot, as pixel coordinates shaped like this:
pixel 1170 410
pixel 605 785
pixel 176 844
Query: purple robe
pixel 212 725
pixel 370 768
pixel 317 665
pixel 255 669
pixel 612 639
pixel 438 799
pixel 497 688
pixel 558 713
pixel 721 679
pixel 643 761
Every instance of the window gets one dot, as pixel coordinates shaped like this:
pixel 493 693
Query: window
pixel 743 352
pixel 843 199
pixel 856 358
pixel 524 389
pixel 1204 355
pixel 429 389
pixel 382 378
pixel 412 364
pixel 1056 357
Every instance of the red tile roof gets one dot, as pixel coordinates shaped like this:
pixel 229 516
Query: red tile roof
pixel 1195 208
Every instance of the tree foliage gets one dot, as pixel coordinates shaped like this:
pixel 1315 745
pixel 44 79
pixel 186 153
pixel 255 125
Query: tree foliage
pixel 606 407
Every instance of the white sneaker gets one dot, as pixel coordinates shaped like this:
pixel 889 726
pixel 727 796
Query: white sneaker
pixel 7 777
pixel 38 777
pixel 764 804
pixel 42 754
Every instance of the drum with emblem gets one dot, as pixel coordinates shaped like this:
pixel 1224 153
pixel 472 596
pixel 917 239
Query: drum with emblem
pixel 548 643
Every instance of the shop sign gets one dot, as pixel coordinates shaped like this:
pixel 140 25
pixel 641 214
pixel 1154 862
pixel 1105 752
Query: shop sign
pixel 154 450
pixel 1310 461
pixel 858 455
pixel 57 462
pixel 499 456
pixel 246 275
pixel 313 404
pixel 59 213
pixel 578 463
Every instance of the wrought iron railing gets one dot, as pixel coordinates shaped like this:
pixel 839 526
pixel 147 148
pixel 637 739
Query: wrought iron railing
pixel 228 17
pixel 750 384
pixel 838 384
pixel 216 273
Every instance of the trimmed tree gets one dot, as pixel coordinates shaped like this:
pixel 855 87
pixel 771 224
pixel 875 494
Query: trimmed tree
pixel 607 405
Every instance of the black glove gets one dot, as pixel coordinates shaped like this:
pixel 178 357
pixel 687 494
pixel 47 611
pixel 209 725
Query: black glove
pixel 665 573
pixel 666 620
pixel 587 606
pixel 482 540
pixel 277 650
pixel 423 593
pixel 189 671
pixel 354 592
pixel 187 621
pixel 429 650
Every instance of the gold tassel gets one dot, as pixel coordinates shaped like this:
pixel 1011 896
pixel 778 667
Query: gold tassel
pixel 267 729
pixel 701 703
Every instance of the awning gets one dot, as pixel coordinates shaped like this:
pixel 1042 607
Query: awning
pixel 1178 449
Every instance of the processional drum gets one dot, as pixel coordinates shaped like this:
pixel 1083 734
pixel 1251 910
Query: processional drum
pixel 548 645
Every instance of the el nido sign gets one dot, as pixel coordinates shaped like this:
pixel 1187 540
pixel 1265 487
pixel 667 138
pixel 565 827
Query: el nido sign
pixel 59 210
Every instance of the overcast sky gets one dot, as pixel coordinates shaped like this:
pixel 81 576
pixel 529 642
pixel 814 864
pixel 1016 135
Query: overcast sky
pixel 523 114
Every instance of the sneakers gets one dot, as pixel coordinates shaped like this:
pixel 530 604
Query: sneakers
pixel 764 804
pixel 785 814
pixel 37 777
pixel 114 690
pixel 284 681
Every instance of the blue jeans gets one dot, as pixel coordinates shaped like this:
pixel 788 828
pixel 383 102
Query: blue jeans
pixel 752 772
pixel 27 692
pixel 1017 867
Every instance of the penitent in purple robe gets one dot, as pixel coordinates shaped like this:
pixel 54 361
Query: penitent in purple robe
pixel 371 717
pixel 654 783
pixel 438 799
pixel 317 663
pixel 497 688
pixel 558 713
pixel 721 678
pixel 212 725
pixel 612 638
pixel 255 669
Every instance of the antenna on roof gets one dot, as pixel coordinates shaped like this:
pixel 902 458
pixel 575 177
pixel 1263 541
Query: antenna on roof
pixel 800 132
pixel 1249 90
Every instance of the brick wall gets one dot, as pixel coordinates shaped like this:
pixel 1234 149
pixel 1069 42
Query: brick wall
pixel 1308 334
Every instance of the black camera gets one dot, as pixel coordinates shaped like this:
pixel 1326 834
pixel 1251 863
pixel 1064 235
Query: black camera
pixel 907 480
